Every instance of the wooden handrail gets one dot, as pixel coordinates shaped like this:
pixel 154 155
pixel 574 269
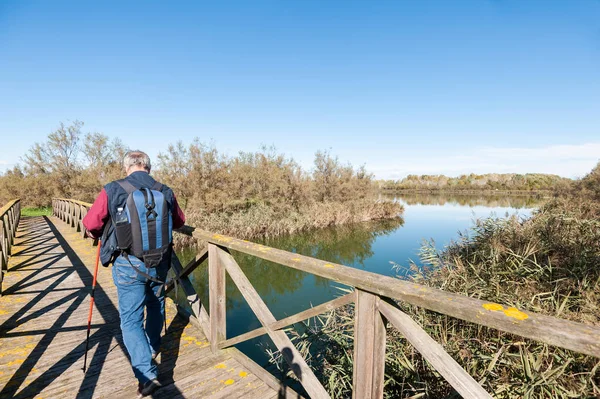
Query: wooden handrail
pixel 374 295
pixel 566 334
pixel 10 215
pixel 433 352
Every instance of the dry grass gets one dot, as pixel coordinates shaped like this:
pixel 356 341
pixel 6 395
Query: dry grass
pixel 547 264
pixel 250 195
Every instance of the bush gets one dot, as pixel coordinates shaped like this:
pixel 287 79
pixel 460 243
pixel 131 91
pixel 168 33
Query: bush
pixel 254 194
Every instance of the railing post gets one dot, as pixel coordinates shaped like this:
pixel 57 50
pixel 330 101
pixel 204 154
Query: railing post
pixel 82 213
pixel 7 235
pixel 77 217
pixel 3 242
pixel 18 212
pixel 369 347
pixel 3 262
pixel 70 220
pixel 216 275
pixel 74 208
pixel 11 228
pixel 9 222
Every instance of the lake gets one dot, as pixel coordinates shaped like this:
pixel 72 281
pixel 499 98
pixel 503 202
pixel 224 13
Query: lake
pixel 371 246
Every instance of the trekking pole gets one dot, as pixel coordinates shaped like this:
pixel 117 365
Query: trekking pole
pixel 89 326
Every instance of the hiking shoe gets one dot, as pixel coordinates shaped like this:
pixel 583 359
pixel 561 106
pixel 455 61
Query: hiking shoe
pixel 148 388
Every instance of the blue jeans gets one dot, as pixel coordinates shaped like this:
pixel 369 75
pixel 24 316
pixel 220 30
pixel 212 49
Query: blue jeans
pixel 136 292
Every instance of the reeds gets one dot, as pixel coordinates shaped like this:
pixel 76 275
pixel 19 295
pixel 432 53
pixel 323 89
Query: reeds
pixel 549 264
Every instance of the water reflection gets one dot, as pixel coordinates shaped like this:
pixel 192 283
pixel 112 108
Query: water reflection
pixel 343 244
pixel 349 245
pixel 471 200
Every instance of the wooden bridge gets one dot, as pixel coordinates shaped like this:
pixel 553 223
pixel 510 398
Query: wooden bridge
pixel 47 271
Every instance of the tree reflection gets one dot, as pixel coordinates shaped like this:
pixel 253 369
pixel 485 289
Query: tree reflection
pixel 348 245
pixel 489 200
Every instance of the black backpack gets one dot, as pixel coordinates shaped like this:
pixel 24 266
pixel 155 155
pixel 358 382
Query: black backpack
pixel 144 224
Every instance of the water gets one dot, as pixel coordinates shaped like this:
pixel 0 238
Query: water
pixel 373 247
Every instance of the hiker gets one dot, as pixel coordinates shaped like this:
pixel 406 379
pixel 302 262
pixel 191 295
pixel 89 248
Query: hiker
pixel 136 216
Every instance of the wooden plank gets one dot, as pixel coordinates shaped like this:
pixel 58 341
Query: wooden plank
pixel 84 212
pixel 198 310
pixel 280 339
pixel 551 330
pixel 87 204
pixel 369 348
pixel 434 353
pixel 7 206
pixel 217 299
pixel 3 262
pixel 42 356
pixel 9 222
pixel 11 230
pixel 11 225
pixel 283 323
pixel 263 374
pixel 72 214
pixel 379 354
pixel 77 217
pixel 201 257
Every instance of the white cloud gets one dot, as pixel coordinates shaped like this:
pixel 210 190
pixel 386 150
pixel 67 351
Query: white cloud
pixel 564 160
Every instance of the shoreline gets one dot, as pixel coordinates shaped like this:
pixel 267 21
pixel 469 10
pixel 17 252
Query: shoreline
pixel 545 193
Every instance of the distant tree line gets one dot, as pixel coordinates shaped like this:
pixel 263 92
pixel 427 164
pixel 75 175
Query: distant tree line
pixel 473 182
pixel 252 194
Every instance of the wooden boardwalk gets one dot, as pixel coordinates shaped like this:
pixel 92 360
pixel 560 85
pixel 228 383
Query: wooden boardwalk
pixel 43 322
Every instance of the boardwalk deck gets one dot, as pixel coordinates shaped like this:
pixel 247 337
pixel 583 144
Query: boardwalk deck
pixel 43 321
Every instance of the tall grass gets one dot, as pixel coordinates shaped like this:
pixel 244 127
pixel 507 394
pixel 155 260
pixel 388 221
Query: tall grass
pixel 30 211
pixel 549 264
pixel 265 194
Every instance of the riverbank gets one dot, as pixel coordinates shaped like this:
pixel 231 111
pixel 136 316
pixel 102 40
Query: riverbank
pixel 547 264
pixel 468 191
pixel 263 221
pixel 505 182
pixel 471 200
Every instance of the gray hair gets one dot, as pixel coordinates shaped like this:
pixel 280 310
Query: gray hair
pixel 138 158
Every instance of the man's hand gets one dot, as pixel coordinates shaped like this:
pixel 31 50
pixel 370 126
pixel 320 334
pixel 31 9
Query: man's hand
pixel 89 234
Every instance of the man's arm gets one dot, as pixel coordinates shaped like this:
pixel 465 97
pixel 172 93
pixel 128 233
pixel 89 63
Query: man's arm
pixel 178 216
pixel 97 216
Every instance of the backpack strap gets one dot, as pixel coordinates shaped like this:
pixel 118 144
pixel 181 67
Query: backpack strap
pixel 141 273
pixel 128 187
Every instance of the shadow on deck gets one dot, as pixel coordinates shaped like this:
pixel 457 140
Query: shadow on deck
pixel 43 323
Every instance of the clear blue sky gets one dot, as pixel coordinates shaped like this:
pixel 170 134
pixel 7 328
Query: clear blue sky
pixel 403 87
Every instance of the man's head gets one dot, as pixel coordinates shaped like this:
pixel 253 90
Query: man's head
pixel 135 161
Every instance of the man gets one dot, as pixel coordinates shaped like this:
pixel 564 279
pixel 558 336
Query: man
pixel 137 284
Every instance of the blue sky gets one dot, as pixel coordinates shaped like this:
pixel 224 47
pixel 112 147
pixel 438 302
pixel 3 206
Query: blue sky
pixel 402 87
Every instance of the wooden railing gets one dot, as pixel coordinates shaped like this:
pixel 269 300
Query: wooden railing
pixel 374 296
pixel 10 214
